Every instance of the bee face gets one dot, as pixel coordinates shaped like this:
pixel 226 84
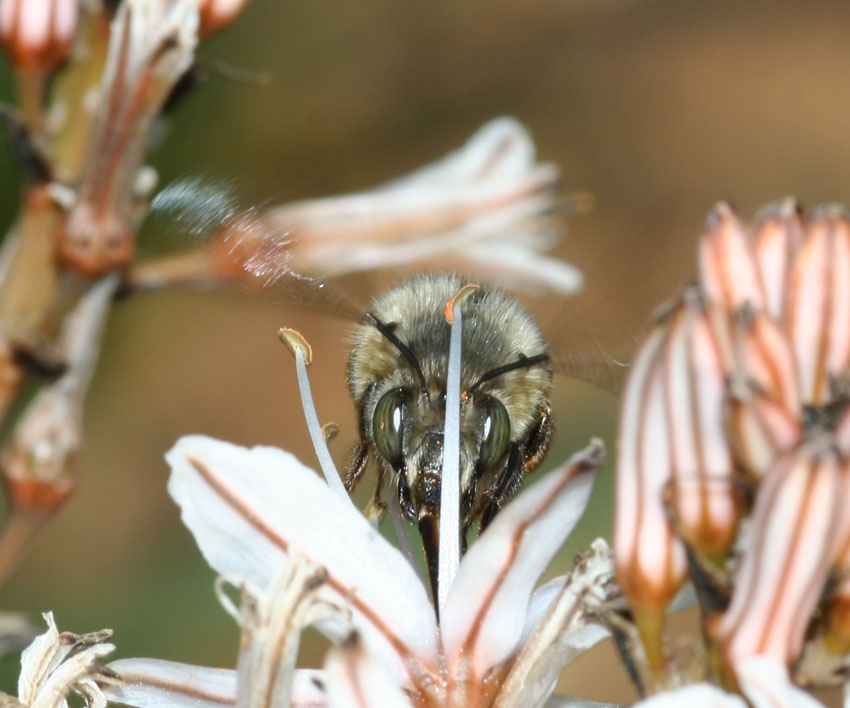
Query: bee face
pixel 397 374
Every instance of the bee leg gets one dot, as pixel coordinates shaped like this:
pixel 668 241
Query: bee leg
pixel 429 529
pixel 377 507
pixel 536 444
pixel 505 487
pixel 357 460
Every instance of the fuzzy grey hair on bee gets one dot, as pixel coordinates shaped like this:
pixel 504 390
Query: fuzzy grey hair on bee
pixel 397 375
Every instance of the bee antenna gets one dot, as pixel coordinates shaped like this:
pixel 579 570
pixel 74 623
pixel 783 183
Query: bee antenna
pixel 523 362
pixel 398 344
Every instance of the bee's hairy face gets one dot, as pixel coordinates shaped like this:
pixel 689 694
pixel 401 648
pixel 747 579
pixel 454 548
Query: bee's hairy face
pixel 505 424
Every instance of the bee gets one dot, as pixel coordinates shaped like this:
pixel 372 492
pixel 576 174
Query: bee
pixel 397 375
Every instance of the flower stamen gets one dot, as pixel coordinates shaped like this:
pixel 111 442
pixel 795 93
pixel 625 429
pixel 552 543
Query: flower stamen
pixel 303 354
pixel 449 551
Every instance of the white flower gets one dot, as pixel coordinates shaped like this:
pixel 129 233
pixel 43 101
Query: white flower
pixel 252 510
pixel 488 208
pixel 304 555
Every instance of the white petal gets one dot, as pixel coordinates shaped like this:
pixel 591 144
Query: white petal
pixel 249 509
pixel 700 695
pixel 487 605
pixel 356 679
pixel 153 683
pixel 36 661
pixel 765 682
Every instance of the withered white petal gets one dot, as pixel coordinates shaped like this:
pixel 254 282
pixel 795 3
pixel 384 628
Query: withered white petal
pixel 249 509
pixel 486 608
pixel 37 660
pixel 67 674
pixel 356 679
pixel 563 633
pixel 766 684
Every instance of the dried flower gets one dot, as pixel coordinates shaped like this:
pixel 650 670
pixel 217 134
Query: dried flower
pixel 151 45
pixel 56 664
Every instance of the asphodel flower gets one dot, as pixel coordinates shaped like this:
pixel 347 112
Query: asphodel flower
pixel 487 208
pixel 734 453
pixel 304 555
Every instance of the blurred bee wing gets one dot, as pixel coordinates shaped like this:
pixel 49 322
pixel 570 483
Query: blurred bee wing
pixel 600 368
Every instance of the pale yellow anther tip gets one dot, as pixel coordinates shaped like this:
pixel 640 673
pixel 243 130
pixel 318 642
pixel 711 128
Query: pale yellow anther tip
pixel 295 341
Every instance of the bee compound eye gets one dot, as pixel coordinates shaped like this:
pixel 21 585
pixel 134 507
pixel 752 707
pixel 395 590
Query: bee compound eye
pixel 387 424
pixel 495 433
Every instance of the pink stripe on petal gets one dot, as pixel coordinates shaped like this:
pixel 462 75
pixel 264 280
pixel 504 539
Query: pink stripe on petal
pixel 728 270
pixel 777 237
pixel 810 313
pixel 484 616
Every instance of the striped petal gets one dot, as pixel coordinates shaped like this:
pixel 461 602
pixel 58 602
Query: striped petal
pixel 356 679
pixel 154 683
pixel 485 612
pixel 250 510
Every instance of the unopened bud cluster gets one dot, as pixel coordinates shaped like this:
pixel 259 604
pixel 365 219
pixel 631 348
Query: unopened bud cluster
pixel 734 458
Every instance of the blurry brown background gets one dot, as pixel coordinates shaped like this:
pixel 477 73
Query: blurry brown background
pixel 657 108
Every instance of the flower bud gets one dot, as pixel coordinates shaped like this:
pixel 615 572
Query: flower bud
pixel 217 14
pixel 41 465
pixel 702 490
pixel 760 428
pixel 820 305
pixel 649 558
pixel 729 272
pixel 785 565
pixel 776 238
pixel 37 34
pixel 765 406
pixel 838 605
